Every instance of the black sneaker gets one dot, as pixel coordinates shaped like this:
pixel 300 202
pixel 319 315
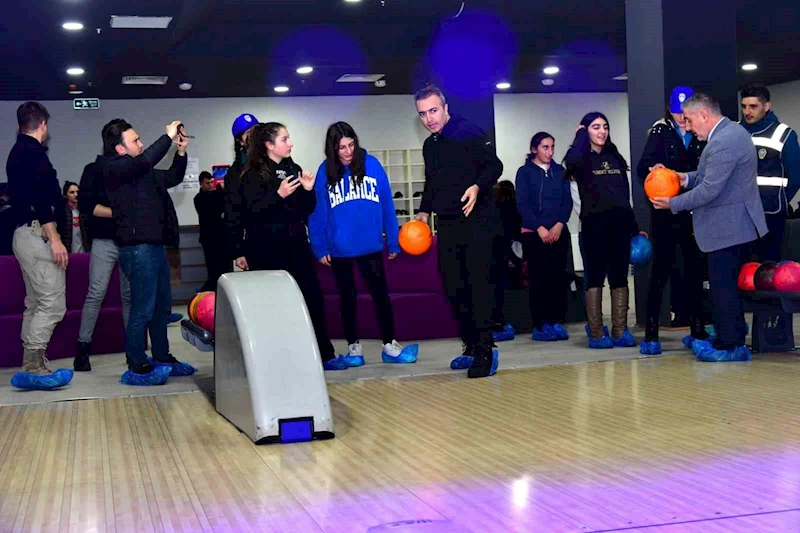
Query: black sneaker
pixel 141 369
pixel 484 363
pixel 81 362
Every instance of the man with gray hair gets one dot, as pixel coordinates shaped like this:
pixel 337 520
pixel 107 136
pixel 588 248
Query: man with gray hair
pixel 728 218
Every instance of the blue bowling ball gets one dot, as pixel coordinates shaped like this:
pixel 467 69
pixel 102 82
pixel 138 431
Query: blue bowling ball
pixel 641 250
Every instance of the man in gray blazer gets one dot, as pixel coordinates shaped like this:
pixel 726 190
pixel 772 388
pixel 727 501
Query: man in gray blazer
pixel 727 215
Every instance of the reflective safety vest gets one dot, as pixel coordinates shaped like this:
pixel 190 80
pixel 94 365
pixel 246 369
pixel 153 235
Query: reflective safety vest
pixel 772 180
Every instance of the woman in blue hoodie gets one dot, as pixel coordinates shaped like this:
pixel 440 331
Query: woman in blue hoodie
pixel 354 210
pixel 545 203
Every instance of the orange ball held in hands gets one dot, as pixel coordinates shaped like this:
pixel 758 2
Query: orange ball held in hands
pixel 662 183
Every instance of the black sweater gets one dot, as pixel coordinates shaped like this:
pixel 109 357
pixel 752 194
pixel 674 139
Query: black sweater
pixel 32 183
pixel 257 210
pixel 602 184
pixel 93 193
pixel 143 210
pixel 210 207
pixel 458 157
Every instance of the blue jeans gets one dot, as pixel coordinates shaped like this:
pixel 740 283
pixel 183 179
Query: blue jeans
pixel 147 270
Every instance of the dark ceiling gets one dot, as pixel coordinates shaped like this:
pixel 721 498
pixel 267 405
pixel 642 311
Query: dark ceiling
pixel 240 48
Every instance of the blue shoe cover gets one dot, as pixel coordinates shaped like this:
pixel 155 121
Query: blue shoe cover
pixel 407 356
pixel 650 348
pixel 703 346
pixel 561 332
pixel 462 362
pixel 57 379
pixel 689 341
pixel 353 360
pixel 176 370
pixel 546 334
pixel 740 353
pixel 603 343
pixel 589 331
pixel 495 362
pixel 507 334
pixel 338 363
pixel 626 340
pixel 174 317
pixel 158 376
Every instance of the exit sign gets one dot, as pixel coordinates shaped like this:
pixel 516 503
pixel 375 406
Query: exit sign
pixel 86 103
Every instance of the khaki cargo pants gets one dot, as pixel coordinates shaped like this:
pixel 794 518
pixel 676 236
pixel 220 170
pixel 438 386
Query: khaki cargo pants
pixel 45 287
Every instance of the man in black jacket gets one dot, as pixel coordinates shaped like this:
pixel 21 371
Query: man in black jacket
pixel 146 222
pixel 461 168
pixel 210 206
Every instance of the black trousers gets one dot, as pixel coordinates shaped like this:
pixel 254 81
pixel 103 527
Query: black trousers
pixel 465 264
pixel 371 267
pixel 723 272
pixel 671 234
pixel 547 277
pixel 501 254
pixel 217 264
pixel 769 246
pixel 607 249
pixel 295 257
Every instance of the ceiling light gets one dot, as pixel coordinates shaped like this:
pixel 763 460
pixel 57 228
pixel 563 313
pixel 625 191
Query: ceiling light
pixel 380 83
pixel 504 85
pixel 75 71
pixel 281 89
pixel 76 92
pixel 305 70
pixel 185 86
pixel 548 81
pixel 352 1
pixel 749 66
pixel 72 26
pixel 550 70
pixel 140 23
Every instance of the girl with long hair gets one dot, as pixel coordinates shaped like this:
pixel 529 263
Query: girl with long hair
pixel 607 223
pixel 354 209
pixel 271 206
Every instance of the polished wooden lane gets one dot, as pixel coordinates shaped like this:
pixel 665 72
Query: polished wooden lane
pixel 657 445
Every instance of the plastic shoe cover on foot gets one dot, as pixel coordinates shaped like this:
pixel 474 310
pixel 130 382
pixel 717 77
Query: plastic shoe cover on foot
pixel 57 379
pixel 462 362
pixel 650 348
pixel 699 347
pixel 589 331
pixel 546 334
pixel 353 360
pixel 495 362
pixel 176 369
pixel 689 341
pixel 338 363
pixel 626 340
pixel 407 356
pixel 741 353
pixel 603 343
pixel 507 334
pixel 158 376
pixel 174 317
pixel 561 332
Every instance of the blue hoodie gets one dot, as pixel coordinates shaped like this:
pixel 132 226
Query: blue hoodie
pixel 790 157
pixel 350 221
pixel 543 198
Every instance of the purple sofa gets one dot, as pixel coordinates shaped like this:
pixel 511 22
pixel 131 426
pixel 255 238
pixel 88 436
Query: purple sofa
pixel 109 336
pixel 420 306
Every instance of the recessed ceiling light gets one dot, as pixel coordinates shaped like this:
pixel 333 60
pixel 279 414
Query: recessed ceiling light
pixel 548 81
pixel 504 85
pixel 75 71
pixel 76 92
pixel 72 26
pixel 185 86
pixel 281 89
pixel 749 66
pixel 550 70
pixel 305 70
pixel 352 1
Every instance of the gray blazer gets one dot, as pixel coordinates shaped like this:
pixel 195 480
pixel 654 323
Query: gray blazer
pixel 723 193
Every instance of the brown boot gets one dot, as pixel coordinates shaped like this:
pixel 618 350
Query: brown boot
pixel 29 362
pixel 619 311
pixel 36 363
pixel 594 311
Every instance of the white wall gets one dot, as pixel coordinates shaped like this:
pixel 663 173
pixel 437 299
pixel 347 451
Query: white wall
pixel 380 121
pixel 786 102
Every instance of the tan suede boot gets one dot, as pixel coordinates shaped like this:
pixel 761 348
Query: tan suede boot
pixel 619 311
pixel 594 311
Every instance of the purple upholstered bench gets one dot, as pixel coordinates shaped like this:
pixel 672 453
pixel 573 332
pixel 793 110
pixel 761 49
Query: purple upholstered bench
pixel 109 336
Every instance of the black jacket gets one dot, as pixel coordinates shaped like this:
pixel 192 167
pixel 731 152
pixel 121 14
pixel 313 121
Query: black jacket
pixel 33 183
pixel 210 206
pixel 93 193
pixel 458 157
pixel 64 225
pixel 143 210
pixel 256 208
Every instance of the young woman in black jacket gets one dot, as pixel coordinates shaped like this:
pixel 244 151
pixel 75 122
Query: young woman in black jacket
pixel 670 145
pixel 608 224
pixel 271 206
pixel 506 202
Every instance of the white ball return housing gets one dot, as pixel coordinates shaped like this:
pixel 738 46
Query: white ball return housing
pixel 267 366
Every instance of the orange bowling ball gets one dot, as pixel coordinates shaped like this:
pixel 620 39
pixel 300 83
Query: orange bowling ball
pixel 662 183
pixel 195 303
pixel 415 237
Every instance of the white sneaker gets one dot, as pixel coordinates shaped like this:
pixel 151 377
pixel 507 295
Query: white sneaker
pixel 392 349
pixel 355 349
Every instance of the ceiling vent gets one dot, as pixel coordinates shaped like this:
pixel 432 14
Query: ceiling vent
pixel 622 77
pixel 360 78
pixel 144 80
pixel 140 23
